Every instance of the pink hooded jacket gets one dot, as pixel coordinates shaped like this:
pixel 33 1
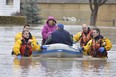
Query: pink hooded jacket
pixel 47 30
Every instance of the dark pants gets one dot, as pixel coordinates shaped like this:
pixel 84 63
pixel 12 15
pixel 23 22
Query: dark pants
pixel 43 41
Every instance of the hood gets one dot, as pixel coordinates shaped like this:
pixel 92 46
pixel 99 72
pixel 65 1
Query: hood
pixel 51 18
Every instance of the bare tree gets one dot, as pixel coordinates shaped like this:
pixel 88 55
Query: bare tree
pixel 94 6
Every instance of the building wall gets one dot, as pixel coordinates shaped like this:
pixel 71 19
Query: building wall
pixel 78 13
pixel 106 15
pixel 7 10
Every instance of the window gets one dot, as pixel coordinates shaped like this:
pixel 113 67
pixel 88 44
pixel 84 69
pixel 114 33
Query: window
pixel 9 2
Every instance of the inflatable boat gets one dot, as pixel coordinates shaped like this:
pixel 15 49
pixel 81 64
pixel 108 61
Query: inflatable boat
pixel 59 51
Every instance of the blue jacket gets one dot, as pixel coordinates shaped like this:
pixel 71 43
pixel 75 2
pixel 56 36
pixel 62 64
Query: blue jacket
pixel 60 36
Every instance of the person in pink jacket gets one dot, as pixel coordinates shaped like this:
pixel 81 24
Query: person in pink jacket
pixel 48 28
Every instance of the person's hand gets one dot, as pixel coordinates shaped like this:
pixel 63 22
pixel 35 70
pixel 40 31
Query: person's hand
pixel 30 41
pixel 101 49
pixel 44 47
pixel 49 33
pixel 19 57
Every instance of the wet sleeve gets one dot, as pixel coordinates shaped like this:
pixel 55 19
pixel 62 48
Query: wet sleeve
pixel 44 32
pixel 35 45
pixel 87 48
pixel 76 37
pixel 16 47
pixel 18 36
pixel 108 44
pixel 34 39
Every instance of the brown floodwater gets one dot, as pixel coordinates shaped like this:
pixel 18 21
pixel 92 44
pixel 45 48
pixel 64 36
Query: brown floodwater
pixel 36 67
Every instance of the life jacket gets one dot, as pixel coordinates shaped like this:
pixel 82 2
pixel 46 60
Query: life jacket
pixel 26 48
pixel 96 44
pixel 85 38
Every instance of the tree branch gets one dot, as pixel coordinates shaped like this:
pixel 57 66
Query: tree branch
pixel 90 2
pixel 102 2
pixel 95 2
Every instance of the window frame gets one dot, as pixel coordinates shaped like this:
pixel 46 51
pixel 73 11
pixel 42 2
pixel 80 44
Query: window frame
pixel 9 2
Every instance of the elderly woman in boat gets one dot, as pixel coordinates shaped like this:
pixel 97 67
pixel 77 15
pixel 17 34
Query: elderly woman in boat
pixel 48 28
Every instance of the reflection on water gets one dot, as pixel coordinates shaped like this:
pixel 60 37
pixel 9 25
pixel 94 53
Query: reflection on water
pixel 61 68
pixel 34 66
pixel 24 63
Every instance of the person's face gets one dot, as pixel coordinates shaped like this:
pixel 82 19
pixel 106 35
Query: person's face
pixel 26 28
pixel 85 28
pixel 95 33
pixel 26 34
pixel 50 22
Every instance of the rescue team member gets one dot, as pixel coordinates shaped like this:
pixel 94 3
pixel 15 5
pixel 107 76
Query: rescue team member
pixel 98 46
pixel 19 34
pixel 60 36
pixel 48 28
pixel 83 36
pixel 34 42
pixel 24 47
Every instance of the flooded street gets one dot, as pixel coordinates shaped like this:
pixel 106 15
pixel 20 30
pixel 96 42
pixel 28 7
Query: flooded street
pixel 36 67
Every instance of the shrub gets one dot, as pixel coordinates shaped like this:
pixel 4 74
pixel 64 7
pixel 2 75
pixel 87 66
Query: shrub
pixel 30 9
pixel 18 20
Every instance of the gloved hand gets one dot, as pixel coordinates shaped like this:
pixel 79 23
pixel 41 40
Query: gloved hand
pixel 81 49
pixel 101 49
pixel 49 33
pixel 43 47
pixel 19 56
